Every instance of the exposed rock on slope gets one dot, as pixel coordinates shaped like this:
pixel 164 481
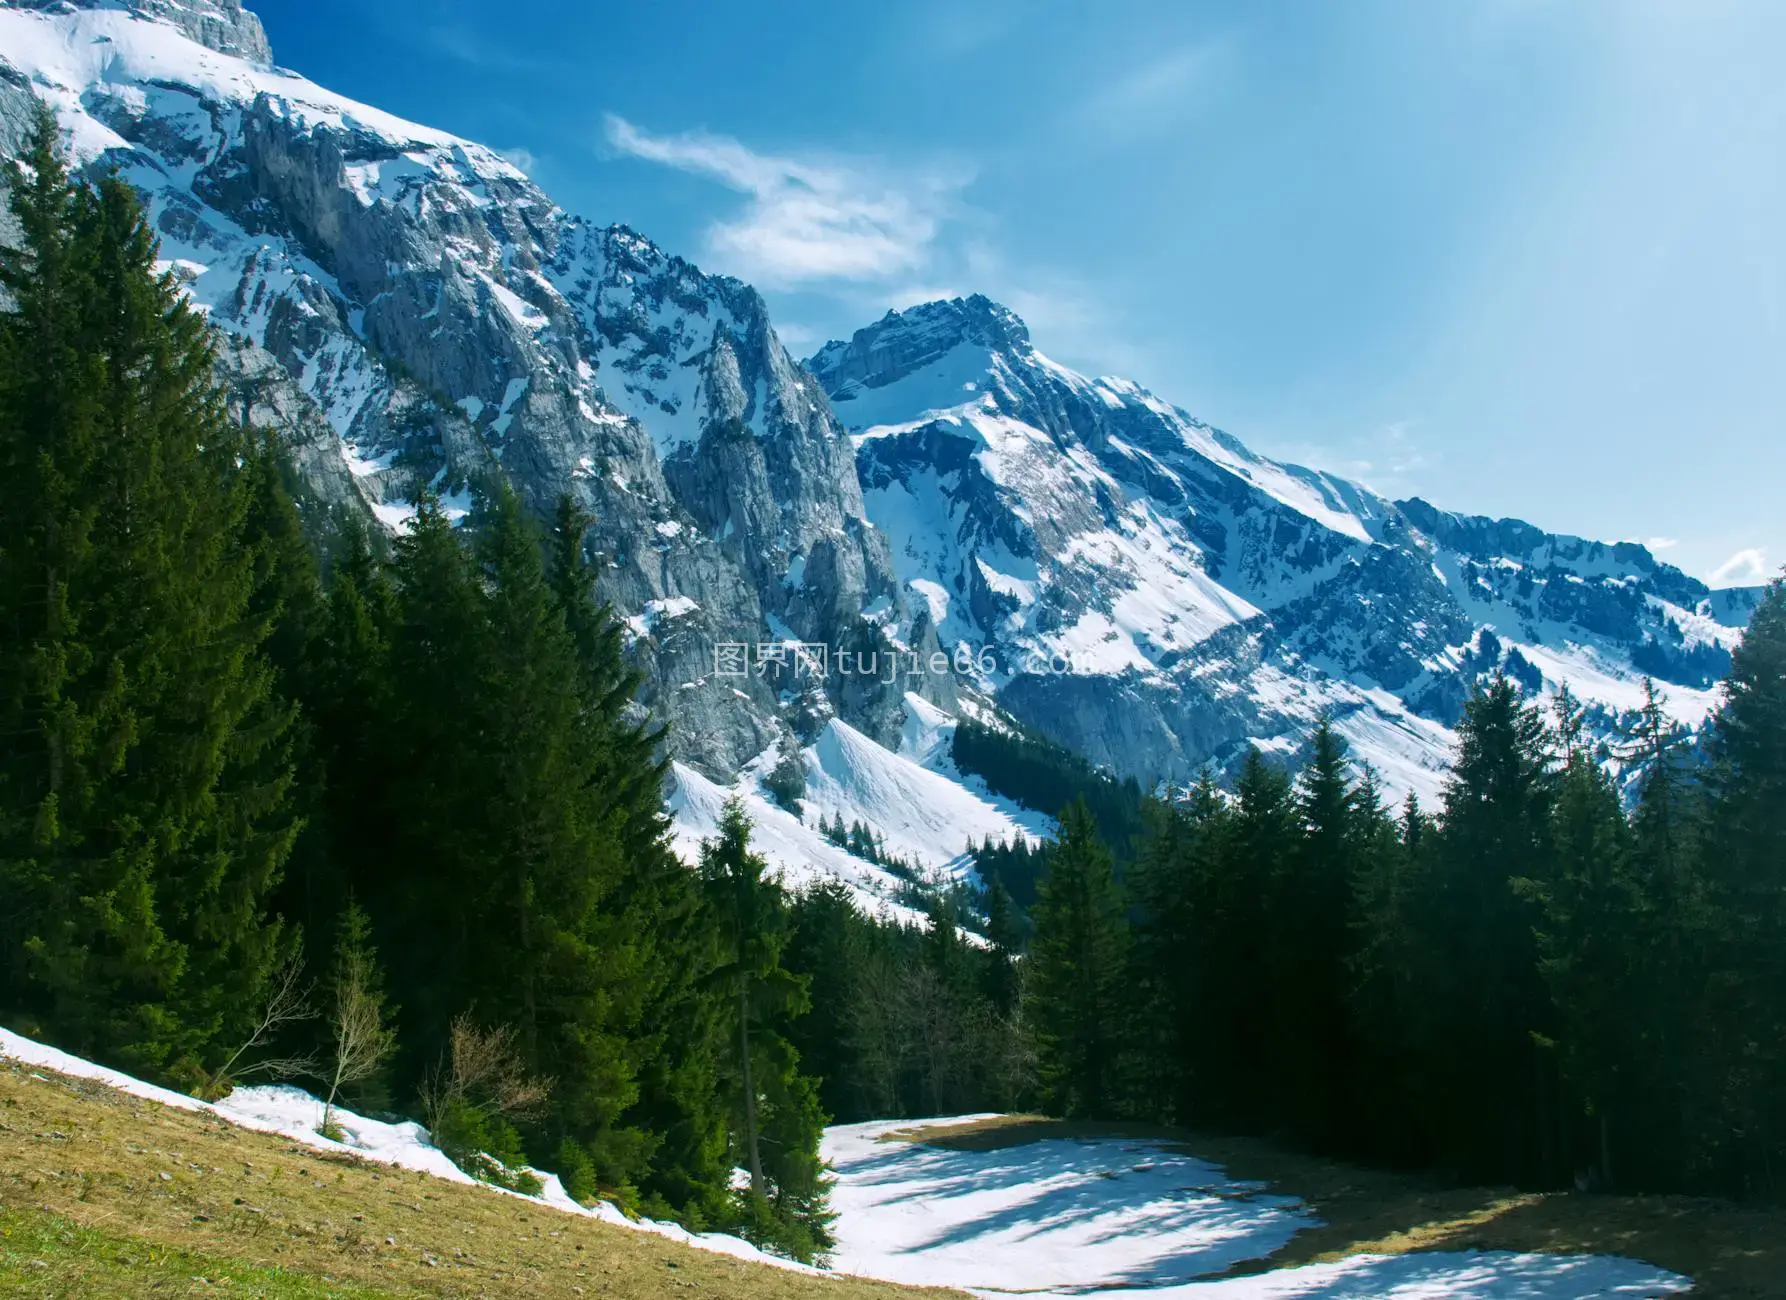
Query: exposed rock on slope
pixel 422 318
pixel 1157 595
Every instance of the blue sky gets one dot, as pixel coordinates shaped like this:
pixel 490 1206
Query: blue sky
pixel 1521 257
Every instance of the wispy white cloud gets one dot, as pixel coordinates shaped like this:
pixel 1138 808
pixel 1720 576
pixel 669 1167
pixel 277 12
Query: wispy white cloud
pixel 1388 460
pixel 1748 565
pixel 1148 95
pixel 1662 543
pixel 522 158
pixel 870 234
pixel 805 221
pixel 795 336
pixel 477 50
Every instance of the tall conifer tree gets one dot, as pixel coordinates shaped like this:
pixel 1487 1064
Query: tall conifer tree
pixel 1495 1084
pixel 145 772
pixel 1077 963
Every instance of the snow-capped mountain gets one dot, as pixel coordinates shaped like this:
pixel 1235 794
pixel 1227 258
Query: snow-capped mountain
pixel 1156 595
pixel 424 312
pixel 418 316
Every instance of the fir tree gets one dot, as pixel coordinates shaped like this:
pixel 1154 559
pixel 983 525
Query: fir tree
pixel 1235 896
pixel 1589 942
pixel 145 769
pixel 1488 1000
pixel 1670 974
pixel 1745 862
pixel 778 1120
pixel 1309 943
pixel 1002 986
pixel 1163 977
pixel 1077 963
pixel 1385 979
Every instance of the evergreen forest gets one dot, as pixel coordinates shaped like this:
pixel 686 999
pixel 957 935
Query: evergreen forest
pixel 283 799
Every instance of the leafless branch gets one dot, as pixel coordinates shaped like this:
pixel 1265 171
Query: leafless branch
pixel 482 1067
pixel 288 1002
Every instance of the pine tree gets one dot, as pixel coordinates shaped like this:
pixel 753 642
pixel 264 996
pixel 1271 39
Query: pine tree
pixel 423 867
pixel 145 770
pixel 1002 985
pixel 1310 938
pixel 1745 863
pixel 778 1120
pixel 1163 974
pixel 1589 933
pixel 826 947
pixel 1666 994
pixel 563 964
pixel 1387 980
pixel 1234 891
pixel 289 598
pixel 353 740
pixel 1077 962
pixel 1489 1007
pixel 677 1039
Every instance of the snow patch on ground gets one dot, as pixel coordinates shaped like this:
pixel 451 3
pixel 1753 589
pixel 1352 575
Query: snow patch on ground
pixel 1123 1217
pixel 1052 1219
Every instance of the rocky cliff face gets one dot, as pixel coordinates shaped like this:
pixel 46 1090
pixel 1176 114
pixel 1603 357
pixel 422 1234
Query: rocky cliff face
pixel 421 319
pixel 419 297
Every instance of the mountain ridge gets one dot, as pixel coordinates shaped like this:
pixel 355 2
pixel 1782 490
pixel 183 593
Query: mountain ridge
pixel 1069 504
pixel 424 318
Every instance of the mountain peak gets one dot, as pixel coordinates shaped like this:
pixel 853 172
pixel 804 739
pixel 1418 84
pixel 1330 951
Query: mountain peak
pixel 973 319
pixel 221 25
pixel 903 341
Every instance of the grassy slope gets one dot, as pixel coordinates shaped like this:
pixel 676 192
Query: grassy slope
pixel 1734 1252
pixel 103 1194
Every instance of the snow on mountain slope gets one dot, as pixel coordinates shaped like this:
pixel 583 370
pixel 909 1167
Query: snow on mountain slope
pixel 918 813
pixel 797 851
pixel 451 325
pixel 1148 591
pixel 1125 578
pixel 115 51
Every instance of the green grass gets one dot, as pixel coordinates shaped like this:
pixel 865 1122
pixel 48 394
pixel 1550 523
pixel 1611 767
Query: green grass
pixel 46 1255
pixel 107 1195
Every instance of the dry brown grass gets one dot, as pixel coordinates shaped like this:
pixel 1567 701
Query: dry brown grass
pixel 103 1194
pixel 1734 1252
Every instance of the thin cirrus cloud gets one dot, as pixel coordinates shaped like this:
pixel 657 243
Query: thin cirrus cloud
pixel 521 158
pixel 806 222
pixel 1148 95
pixel 1748 565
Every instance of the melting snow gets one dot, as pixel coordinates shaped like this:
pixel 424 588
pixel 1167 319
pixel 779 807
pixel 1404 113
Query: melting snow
pixel 1121 1217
